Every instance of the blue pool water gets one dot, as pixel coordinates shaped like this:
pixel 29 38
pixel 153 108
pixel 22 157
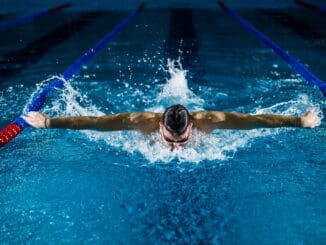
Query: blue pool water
pixel 230 187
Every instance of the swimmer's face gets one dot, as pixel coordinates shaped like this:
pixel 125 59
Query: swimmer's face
pixel 174 141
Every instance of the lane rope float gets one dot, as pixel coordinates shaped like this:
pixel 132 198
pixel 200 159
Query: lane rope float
pixel 9 23
pixel 295 64
pixel 39 99
pixel 311 6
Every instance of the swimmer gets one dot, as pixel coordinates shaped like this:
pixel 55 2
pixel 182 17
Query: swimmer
pixel 175 124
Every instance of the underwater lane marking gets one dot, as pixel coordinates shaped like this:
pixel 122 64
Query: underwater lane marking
pixel 295 64
pixel 15 61
pixel 9 23
pixel 77 65
pixel 182 36
pixel 305 30
pixel 182 41
pixel 7 134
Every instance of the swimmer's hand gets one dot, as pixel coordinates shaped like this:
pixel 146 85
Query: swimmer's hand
pixel 37 119
pixel 310 119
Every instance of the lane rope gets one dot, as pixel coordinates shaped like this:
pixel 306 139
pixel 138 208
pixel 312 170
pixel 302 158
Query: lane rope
pixel 295 64
pixel 39 99
pixel 9 23
pixel 311 6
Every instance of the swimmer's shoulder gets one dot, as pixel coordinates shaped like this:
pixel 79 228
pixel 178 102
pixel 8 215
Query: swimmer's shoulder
pixel 145 116
pixel 205 120
pixel 146 122
pixel 213 116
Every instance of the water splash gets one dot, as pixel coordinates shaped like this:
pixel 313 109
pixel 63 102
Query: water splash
pixel 220 145
pixel 176 90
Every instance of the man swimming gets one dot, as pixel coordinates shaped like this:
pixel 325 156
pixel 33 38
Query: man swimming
pixel 175 124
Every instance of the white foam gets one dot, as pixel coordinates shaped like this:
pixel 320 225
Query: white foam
pixel 176 90
pixel 220 145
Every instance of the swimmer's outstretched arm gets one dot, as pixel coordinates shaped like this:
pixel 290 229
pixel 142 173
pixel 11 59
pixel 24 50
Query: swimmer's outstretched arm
pixel 145 122
pixel 211 120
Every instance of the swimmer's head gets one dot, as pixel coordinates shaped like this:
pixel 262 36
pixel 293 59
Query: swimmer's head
pixel 176 119
pixel 176 126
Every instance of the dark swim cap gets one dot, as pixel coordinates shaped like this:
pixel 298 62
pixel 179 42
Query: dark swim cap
pixel 176 119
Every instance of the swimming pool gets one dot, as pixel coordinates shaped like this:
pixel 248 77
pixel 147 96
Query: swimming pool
pixel 258 186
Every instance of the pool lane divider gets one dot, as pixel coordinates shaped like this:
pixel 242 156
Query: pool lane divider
pixel 311 6
pixel 9 23
pixel 295 64
pixel 18 125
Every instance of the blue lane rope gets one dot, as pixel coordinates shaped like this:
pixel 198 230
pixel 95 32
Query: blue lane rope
pixel 311 6
pixel 296 65
pixel 39 99
pixel 9 23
